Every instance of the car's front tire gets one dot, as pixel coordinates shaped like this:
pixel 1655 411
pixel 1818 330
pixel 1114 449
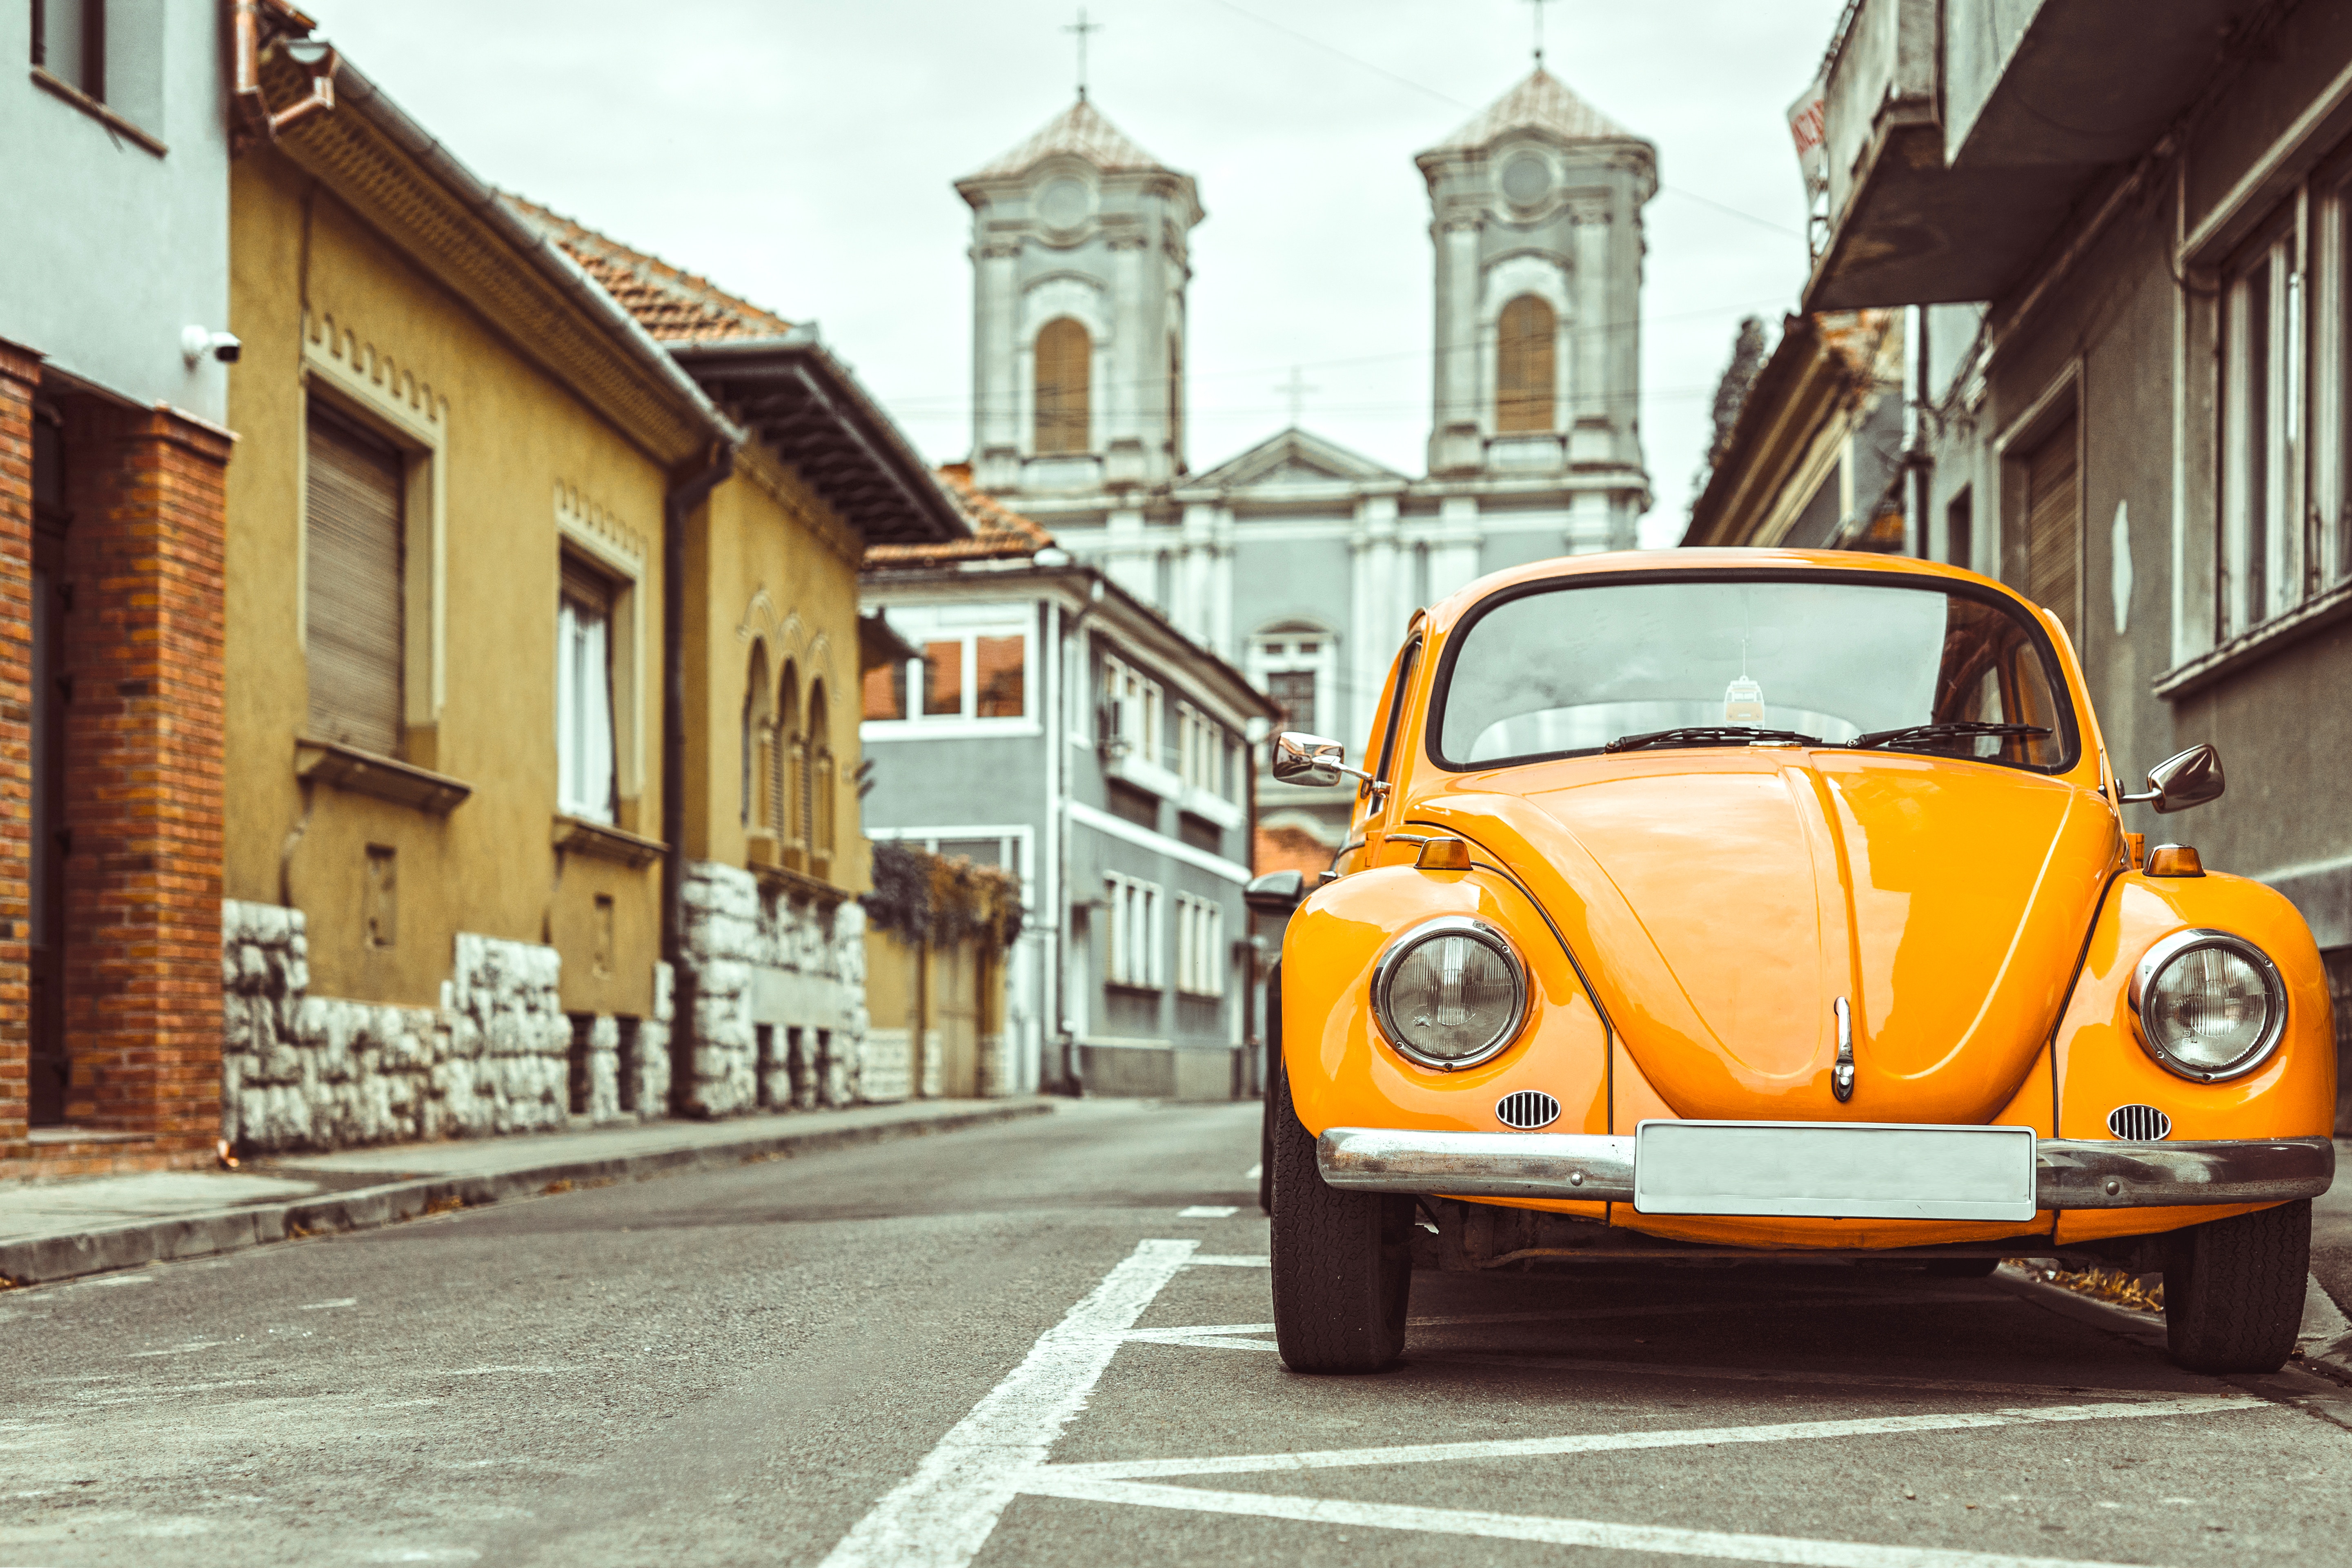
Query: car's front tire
pixel 1342 1261
pixel 2233 1289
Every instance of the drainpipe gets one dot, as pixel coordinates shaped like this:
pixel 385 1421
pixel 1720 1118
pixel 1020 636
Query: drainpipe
pixel 685 494
pixel 252 109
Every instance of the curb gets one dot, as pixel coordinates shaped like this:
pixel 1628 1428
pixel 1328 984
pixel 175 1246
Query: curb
pixel 41 1260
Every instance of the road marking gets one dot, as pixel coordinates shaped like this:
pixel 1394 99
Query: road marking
pixel 1744 1375
pixel 943 1514
pixel 323 1306
pixel 1550 1532
pixel 1227 1260
pixel 1208 1211
pixel 1617 1442
pixel 1253 1172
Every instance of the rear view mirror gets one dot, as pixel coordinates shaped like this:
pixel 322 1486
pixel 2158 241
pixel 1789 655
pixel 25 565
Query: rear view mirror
pixel 1311 760
pixel 2176 783
pixel 1276 893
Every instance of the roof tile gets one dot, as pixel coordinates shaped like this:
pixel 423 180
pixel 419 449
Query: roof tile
pixel 998 532
pixel 1542 102
pixel 674 306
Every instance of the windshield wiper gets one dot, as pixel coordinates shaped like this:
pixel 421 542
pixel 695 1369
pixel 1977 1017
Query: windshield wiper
pixel 1707 735
pixel 1911 735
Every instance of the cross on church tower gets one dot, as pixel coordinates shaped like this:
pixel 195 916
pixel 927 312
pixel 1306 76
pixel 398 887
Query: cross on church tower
pixel 1296 389
pixel 1082 27
pixel 1539 8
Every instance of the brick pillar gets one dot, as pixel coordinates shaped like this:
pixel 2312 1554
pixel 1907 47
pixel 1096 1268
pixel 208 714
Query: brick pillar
pixel 142 766
pixel 20 373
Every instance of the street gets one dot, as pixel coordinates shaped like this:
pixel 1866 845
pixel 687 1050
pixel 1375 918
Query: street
pixel 859 1356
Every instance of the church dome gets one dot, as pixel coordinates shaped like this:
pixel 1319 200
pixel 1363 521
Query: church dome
pixel 1081 131
pixel 1540 104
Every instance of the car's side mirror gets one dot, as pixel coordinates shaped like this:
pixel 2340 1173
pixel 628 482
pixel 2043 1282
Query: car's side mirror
pixel 2176 783
pixel 1276 893
pixel 1313 761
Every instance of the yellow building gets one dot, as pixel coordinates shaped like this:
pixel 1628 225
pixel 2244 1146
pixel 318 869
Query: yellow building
pixel 539 668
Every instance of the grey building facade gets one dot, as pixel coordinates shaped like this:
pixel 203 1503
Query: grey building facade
pixel 2130 356
pixel 1052 723
pixel 1299 561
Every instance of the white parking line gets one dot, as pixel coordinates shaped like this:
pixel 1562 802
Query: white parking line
pixel 1226 1261
pixel 1617 1442
pixel 942 1515
pixel 1253 1172
pixel 1550 1532
pixel 1208 1211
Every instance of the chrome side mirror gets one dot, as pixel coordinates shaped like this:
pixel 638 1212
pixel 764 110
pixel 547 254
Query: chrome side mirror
pixel 1311 760
pixel 1276 893
pixel 2176 783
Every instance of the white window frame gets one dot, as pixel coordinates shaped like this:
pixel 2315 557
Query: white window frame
pixel 1200 946
pixel 587 783
pixel 2258 539
pixel 1134 933
pixel 1136 703
pixel 1275 652
pixel 966 623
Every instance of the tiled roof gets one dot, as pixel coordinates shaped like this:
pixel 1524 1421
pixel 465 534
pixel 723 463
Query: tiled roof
pixel 1539 103
pixel 1081 131
pixel 671 305
pixel 998 532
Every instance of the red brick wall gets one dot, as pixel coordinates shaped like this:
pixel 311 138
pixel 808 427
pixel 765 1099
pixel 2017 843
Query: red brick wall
pixel 19 374
pixel 142 763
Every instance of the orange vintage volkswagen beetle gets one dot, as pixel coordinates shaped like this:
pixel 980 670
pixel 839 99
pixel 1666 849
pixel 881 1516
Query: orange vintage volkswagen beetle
pixel 1755 903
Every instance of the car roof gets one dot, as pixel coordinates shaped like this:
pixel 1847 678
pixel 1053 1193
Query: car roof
pixel 1739 558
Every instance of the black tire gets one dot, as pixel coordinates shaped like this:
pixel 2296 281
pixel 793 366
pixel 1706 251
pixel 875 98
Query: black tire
pixel 1961 1267
pixel 1342 1261
pixel 1271 1089
pixel 2233 1289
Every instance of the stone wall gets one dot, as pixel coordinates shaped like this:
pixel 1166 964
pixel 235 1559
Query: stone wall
pixel 300 1071
pixel 766 964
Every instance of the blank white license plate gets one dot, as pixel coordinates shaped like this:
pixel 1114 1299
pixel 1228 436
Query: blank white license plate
pixel 1833 1170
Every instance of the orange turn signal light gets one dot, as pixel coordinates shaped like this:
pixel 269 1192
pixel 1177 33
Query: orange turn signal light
pixel 1444 855
pixel 2174 860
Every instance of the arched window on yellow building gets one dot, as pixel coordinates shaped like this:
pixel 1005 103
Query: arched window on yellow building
pixel 785 753
pixel 756 723
pixel 1064 356
pixel 1524 365
pixel 818 793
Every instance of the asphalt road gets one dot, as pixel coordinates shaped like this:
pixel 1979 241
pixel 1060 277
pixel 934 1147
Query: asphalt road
pixel 869 1355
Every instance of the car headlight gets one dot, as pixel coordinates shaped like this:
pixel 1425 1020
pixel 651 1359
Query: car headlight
pixel 2210 1005
pixel 1450 993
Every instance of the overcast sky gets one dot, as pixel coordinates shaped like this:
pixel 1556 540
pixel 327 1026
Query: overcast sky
pixel 801 154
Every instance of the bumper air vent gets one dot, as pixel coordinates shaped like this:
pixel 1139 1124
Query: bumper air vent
pixel 1526 1109
pixel 2140 1124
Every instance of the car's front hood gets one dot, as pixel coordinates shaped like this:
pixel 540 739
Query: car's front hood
pixel 1721 904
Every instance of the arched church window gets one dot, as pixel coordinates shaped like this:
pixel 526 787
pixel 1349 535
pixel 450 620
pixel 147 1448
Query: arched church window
pixel 1065 352
pixel 1176 403
pixel 1524 367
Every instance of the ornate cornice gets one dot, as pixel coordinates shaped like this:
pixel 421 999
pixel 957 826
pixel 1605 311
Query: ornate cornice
pixel 787 489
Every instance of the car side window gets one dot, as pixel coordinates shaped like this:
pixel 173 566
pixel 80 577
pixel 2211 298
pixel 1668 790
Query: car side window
pixel 1398 689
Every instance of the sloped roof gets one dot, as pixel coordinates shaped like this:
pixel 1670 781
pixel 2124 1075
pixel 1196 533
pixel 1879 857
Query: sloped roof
pixel 1082 132
pixel 673 305
pixel 1290 457
pixel 1542 102
pixel 998 532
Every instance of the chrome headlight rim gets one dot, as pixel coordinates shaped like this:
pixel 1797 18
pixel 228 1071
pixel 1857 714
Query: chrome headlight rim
pixel 2158 958
pixel 1478 930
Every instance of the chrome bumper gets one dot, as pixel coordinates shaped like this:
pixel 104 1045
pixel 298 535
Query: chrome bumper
pixel 2070 1174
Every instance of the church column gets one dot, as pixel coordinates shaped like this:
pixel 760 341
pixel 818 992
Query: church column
pixel 1625 284
pixel 1129 558
pixel 1601 314
pixel 1453 558
pixel 1196 589
pixel 1377 625
pixel 1222 636
pixel 1120 426
pixel 1454 445
pixel 996 364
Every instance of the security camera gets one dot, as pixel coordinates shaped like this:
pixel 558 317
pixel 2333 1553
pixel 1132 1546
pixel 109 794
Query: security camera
pixel 196 343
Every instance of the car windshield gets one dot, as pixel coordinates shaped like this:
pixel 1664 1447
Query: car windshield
pixel 1911 664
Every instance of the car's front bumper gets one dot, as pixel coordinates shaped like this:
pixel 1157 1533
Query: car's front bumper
pixel 2069 1172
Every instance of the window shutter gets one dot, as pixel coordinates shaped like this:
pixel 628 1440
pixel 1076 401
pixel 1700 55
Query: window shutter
pixel 352 616
pixel 1065 366
pixel 2053 526
pixel 1524 364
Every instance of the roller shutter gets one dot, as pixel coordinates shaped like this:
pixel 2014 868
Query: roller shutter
pixel 352 611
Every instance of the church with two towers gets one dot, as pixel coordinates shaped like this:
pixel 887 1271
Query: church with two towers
pixel 1297 559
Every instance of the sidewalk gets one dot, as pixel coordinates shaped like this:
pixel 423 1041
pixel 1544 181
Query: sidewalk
pixel 61 1229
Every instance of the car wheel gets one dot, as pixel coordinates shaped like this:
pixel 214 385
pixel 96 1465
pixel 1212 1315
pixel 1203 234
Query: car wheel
pixel 2233 1289
pixel 1271 1091
pixel 1342 1261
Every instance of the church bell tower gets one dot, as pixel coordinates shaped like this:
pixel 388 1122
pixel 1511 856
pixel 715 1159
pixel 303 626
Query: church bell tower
pixel 1080 258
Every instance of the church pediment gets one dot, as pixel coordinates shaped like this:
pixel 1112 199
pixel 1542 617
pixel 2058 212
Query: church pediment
pixel 1292 460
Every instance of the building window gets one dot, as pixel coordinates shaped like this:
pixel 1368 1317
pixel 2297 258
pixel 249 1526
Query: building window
pixel 1293 691
pixel 1200 750
pixel 69 43
pixel 1960 531
pixel 1297 665
pixel 1131 707
pixel 755 736
pixel 583 694
pixel 2053 524
pixel 354 630
pixel 786 749
pixel 1132 932
pixel 816 783
pixel 1065 355
pixel 998 672
pixel 961 675
pixel 2258 434
pixel 1526 340
pixel 1200 947
pixel 885 691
